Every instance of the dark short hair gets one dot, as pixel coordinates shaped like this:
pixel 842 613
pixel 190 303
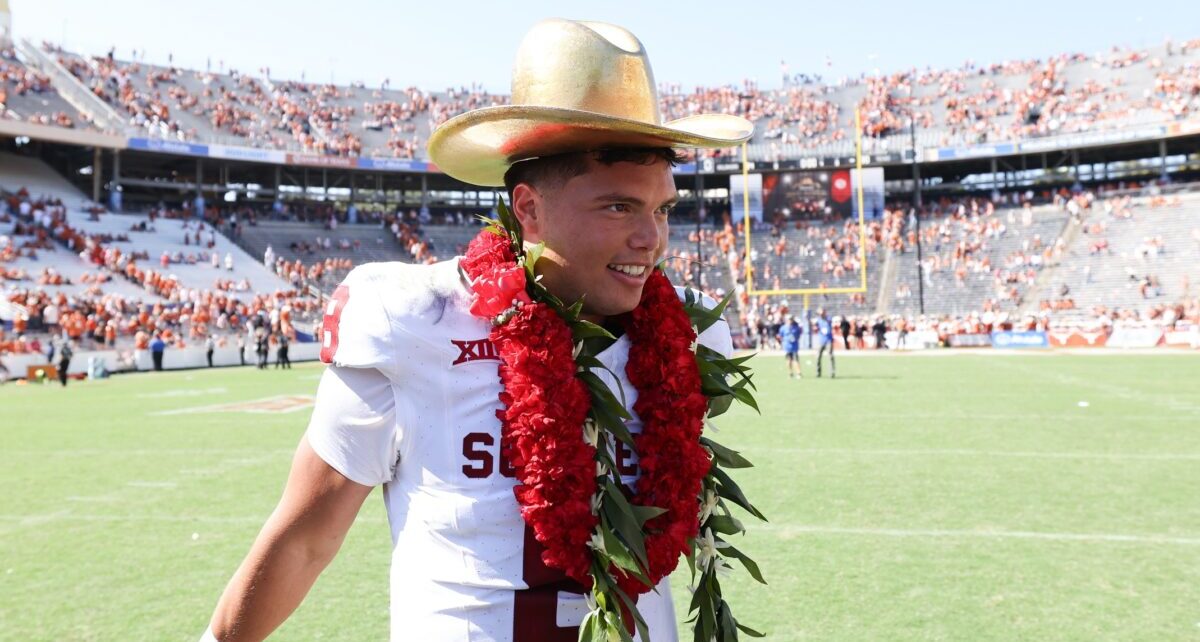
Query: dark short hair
pixel 554 171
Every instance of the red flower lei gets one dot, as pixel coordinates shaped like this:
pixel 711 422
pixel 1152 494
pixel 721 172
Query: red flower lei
pixel 545 406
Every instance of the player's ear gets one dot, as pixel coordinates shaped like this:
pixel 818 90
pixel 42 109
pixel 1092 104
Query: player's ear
pixel 529 207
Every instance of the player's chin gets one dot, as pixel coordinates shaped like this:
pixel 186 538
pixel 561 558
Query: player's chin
pixel 616 303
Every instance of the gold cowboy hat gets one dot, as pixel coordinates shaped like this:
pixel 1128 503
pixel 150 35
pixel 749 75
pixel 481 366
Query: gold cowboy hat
pixel 576 86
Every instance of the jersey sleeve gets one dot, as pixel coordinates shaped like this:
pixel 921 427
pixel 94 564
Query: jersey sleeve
pixel 353 426
pixel 355 329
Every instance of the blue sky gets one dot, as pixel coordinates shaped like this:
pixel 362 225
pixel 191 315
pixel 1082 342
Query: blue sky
pixel 692 42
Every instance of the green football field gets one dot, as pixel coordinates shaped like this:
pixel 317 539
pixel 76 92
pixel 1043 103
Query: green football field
pixel 952 497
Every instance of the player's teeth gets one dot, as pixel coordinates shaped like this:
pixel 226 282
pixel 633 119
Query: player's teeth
pixel 633 270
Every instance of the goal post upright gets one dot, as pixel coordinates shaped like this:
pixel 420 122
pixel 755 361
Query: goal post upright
pixel 862 230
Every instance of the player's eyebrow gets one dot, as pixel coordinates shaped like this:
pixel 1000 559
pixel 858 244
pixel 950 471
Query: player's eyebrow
pixel 619 197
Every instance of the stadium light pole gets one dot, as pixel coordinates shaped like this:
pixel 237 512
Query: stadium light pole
pixel 916 171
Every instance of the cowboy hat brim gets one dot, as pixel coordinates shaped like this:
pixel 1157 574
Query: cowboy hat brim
pixel 479 146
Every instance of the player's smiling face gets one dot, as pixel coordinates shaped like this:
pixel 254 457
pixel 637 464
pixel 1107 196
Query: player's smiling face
pixel 604 231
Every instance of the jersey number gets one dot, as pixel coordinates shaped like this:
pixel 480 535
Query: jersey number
pixel 330 322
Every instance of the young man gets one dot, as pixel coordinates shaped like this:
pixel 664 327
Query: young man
pixel 157 347
pixel 789 337
pixel 825 342
pixel 411 396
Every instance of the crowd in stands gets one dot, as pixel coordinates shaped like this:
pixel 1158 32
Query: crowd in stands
pixel 18 80
pixel 316 118
pixel 956 236
pixel 170 311
pixel 973 103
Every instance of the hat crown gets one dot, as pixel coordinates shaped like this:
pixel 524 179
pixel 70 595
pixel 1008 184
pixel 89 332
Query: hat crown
pixel 587 66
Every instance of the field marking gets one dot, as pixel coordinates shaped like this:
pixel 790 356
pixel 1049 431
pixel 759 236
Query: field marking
pixel 35 520
pixel 183 392
pixel 152 484
pixel 785 530
pixel 1070 412
pixel 147 452
pixel 1154 399
pixel 266 405
pixel 221 468
pixel 959 452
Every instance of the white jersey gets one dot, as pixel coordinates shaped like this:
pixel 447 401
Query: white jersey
pixel 410 402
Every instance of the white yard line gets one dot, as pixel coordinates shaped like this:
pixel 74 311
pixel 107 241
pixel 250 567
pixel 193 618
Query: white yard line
pixel 779 530
pixel 1157 400
pixel 296 403
pixel 147 452
pixel 66 515
pixel 183 392
pixel 797 530
pixel 960 452
pixel 152 484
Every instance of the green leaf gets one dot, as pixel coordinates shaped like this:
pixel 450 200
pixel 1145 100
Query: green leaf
pixel 507 219
pixel 532 254
pixel 726 625
pixel 743 395
pixel 602 395
pixel 723 524
pixel 751 565
pixel 708 620
pixel 620 515
pixel 644 514
pixel 749 631
pixel 619 554
pixel 610 422
pixel 726 457
pixel 691 558
pixel 575 309
pixel 719 405
pixel 592 627
pixel 587 329
pixel 729 489
pixel 590 362
pixel 616 626
pixel 638 621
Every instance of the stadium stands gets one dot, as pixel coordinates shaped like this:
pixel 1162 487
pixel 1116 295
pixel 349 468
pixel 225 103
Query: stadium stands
pixel 1132 254
pixel 978 260
pixel 1077 258
pixel 1063 94
pixel 71 267
pixel 28 95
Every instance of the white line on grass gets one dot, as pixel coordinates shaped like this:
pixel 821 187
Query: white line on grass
pixel 1156 400
pixel 793 530
pixel 148 452
pixel 960 452
pixel 183 392
pixel 782 530
pixel 34 520
pixel 151 484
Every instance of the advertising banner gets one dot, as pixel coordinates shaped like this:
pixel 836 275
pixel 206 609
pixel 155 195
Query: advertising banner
pixel 738 187
pixel 970 340
pixel 1135 337
pixel 1020 340
pixel 168 146
pixel 1078 338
